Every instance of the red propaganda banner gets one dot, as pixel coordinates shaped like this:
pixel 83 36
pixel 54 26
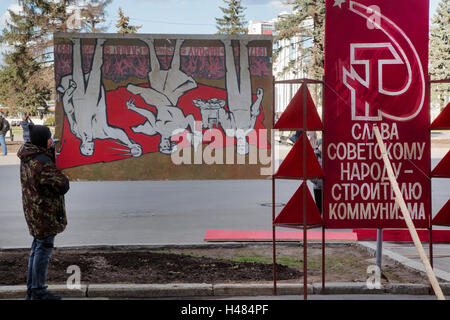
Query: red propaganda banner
pixel 376 58
pixel 157 107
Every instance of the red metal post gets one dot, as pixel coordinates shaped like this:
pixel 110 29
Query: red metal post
pixel 321 205
pixel 323 259
pixel 274 251
pixel 430 243
pixel 305 249
pixel 305 230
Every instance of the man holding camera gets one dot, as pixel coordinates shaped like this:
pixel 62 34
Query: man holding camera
pixel 25 124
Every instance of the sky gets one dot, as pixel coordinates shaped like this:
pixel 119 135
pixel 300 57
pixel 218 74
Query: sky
pixel 175 16
pixel 180 16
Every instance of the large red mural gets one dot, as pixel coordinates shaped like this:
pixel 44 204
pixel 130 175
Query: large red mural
pixel 131 98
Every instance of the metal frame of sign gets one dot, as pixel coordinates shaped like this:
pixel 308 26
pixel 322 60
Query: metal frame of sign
pixel 304 226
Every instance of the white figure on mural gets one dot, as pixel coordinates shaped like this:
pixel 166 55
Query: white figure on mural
pixel 240 118
pixel 84 103
pixel 166 87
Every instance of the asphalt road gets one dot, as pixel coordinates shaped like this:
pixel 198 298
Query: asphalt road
pixel 145 212
pixel 157 212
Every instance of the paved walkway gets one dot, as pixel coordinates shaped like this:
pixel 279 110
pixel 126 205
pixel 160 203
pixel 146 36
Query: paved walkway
pixel 9 160
pixel 407 250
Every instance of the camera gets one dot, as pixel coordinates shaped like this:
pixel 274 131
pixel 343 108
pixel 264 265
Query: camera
pixel 54 142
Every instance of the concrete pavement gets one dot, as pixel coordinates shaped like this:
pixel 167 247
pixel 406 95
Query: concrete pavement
pixel 406 253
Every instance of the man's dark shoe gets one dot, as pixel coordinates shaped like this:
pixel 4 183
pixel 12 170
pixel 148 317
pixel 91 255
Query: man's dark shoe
pixel 46 296
pixel 28 296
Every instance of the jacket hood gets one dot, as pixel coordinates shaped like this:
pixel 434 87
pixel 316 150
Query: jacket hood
pixel 28 151
pixel 39 135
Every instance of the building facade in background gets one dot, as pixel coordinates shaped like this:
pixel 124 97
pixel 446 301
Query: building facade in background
pixel 288 63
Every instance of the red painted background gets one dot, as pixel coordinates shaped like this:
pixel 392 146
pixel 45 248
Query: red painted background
pixel 120 116
pixel 394 34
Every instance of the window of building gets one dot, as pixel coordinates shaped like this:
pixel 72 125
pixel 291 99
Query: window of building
pixel 292 49
pixel 266 28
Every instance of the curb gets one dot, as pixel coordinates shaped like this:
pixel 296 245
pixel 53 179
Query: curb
pixel 191 290
pixel 19 292
pixel 149 290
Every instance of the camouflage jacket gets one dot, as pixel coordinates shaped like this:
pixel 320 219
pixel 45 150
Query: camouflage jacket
pixel 4 126
pixel 43 189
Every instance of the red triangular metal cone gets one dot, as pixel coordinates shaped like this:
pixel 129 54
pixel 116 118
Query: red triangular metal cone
pixel 293 117
pixel 292 214
pixel 443 216
pixel 442 169
pixel 442 122
pixel 293 166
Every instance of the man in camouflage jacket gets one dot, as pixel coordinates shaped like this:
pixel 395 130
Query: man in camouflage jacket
pixel 43 189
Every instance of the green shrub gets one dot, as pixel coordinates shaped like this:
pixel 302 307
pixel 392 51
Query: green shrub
pixel 50 121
